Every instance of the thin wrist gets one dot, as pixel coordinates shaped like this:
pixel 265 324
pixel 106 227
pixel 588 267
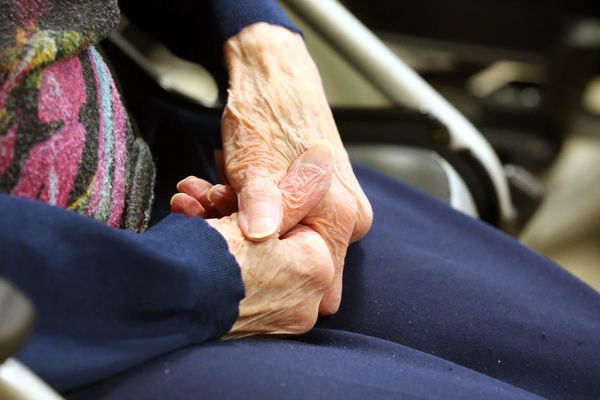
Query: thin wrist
pixel 271 51
pixel 261 40
pixel 261 37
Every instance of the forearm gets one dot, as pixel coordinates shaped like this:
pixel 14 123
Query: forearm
pixel 109 299
pixel 276 109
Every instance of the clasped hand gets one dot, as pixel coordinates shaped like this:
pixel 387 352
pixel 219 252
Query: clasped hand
pixel 290 204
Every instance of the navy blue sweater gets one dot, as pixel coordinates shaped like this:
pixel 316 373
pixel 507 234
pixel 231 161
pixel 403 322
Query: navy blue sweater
pixel 197 30
pixel 109 299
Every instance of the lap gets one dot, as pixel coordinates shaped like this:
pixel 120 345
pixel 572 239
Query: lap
pixel 435 303
pixel 435 280
pixel 324 365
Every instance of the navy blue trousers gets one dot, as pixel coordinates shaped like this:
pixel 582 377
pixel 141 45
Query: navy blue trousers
pixel 436 305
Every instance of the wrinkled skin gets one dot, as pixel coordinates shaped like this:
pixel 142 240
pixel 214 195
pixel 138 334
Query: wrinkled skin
pixel 285 279
pixel 276 109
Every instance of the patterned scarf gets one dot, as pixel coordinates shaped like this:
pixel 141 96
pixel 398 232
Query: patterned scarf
pixel 65 137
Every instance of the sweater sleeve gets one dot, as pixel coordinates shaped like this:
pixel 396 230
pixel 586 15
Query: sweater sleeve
pixel 197 30
pixel 109 299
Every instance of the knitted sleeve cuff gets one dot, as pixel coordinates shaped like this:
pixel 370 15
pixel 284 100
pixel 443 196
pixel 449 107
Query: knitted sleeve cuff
pixel 234 15
pixel 216 280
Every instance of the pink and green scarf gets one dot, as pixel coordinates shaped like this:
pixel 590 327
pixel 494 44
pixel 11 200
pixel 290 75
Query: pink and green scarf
pixel 65 137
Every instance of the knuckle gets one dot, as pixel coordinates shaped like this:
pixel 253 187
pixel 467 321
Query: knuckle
pixel 308 315
pixel 306 321
pixel 320 274
pixel 345 199
pixel 331 307
pixel 258 190
pixel 324 275
pixel 300 319
pixel 251 157
pixel 364 219
pixel 316 265
pixel 353 209
pixel 246 164
pixel 365 214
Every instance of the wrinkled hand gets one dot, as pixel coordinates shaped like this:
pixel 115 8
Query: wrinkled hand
pixel 276 109
pixel 284 279
pixel 306 183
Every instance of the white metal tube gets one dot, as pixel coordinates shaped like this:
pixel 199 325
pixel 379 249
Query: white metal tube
pixel 400 83
pixel 19 383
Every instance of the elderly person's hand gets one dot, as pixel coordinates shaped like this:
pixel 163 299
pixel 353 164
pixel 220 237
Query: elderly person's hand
pixel 275 111
pixel 285 279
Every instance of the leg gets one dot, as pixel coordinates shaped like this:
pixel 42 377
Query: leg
pixel 326 365
pixel 425 280
pixel 434 280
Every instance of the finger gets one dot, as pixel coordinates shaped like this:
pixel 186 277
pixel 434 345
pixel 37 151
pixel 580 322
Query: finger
pixel 261 210
pixel 198 189
pixel 337 235
pixel 334 221
pixel 309 245
pixel 333 297
pixel 218 200
pixel 330 303
pixel 364 218
pixel 186 204
pixel 224 199
pixel 307 181
pixel 195 187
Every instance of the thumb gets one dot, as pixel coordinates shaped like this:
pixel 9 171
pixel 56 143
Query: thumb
pixel 267 209
pixel 261 210
pixel 307 181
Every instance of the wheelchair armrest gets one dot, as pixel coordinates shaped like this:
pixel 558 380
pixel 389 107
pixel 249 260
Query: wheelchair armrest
pixel 423 169
pixel 16 314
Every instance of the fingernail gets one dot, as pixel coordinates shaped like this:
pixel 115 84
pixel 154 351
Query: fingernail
pixel 212 190
pixel 172 197
pixel 261 227
pixel 183 180
pixel 321 154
